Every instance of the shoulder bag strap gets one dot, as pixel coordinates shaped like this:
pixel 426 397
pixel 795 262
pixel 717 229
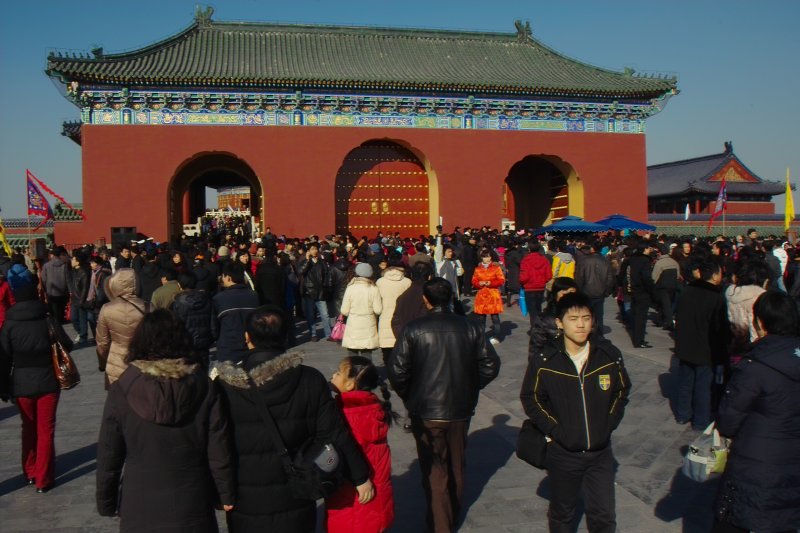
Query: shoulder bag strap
pixel 143 311
pixel 269 422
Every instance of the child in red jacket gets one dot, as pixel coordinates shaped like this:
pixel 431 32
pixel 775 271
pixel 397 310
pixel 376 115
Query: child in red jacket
pixel 369 419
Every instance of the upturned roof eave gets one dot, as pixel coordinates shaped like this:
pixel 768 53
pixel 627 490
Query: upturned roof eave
pixel 384 86
pixel 67 69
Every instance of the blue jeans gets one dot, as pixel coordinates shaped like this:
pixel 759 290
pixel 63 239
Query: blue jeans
pixel 310 309
pixel 79 319
pixel 694 394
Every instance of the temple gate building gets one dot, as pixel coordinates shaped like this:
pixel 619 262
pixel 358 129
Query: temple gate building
pixel 697 181
pixel 353 129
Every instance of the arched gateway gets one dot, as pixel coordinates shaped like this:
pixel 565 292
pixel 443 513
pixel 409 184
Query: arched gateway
pixel 382 186
pixel 186 197
pixel 280 107
pixel 542 189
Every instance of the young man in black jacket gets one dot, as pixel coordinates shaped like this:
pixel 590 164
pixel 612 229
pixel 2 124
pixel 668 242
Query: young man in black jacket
pixel 438 366
pixel 575 391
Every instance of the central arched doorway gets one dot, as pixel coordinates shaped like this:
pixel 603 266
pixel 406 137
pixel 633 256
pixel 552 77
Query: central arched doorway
pixel 382 186
pixel 540 190
pixel 216 170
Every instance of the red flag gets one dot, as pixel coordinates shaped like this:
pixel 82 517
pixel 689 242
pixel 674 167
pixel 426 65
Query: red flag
pixel 37 203
pixel 722 203
pixel 51 192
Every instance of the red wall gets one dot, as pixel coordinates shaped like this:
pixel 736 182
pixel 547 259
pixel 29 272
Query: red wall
pixel 127 171
pixel 746 208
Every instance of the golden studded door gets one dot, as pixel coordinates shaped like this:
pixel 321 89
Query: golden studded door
pixel 382 186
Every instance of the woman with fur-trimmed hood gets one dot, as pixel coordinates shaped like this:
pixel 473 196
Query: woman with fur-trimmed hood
pixel 299 401
pixel 164 423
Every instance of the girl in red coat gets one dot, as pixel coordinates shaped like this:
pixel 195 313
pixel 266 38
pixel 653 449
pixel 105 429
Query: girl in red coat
pixel 488 278
pixel 369 419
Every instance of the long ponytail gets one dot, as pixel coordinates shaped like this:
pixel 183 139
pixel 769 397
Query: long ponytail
pixel 366 376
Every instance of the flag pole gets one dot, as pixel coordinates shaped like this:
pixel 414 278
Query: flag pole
pixel 28 210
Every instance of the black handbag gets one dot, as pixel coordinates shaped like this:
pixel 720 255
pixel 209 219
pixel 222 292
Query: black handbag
pixel 532 445
pixel 315 472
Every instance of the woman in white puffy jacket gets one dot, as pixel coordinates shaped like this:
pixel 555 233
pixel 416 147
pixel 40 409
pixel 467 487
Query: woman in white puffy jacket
pixel 361 305
pixel 392 284
pixel 750 282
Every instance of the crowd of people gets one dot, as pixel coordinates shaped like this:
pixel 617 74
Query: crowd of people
pixel 197 340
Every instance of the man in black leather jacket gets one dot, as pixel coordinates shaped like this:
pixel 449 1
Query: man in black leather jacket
pixel 438 365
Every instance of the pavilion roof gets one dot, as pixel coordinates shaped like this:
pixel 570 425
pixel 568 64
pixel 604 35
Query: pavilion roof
pixel 295 57
pixel 703 175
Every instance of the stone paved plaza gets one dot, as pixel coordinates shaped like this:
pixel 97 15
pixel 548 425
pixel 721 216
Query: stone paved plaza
pixel 503 494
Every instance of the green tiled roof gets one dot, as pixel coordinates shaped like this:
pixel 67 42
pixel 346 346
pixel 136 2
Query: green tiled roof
pixel 325 58
pixel 62 213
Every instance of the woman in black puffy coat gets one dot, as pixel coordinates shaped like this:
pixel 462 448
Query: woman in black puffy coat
pixel 760 411
pixel 25 346
pixel 163 422
pixel 299 400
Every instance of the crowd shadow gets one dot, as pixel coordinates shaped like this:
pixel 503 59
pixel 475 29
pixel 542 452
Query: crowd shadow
pixel 668 383
pixel 8 412
pixel 70 465
pixel 409 500
pixel 76 463
pixel 690 501
pixel 488 450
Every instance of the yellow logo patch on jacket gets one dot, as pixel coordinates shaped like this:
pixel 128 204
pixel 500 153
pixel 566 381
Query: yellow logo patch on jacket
pixel 605 381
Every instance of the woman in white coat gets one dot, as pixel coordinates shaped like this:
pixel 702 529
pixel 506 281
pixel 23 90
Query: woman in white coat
pixel 392 284
pixel 361 305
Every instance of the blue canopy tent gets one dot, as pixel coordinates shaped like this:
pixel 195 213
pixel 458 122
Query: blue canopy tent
pixel 570 224
pixel 621 222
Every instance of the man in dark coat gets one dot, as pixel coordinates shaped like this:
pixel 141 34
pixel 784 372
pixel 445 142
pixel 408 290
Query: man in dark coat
pixel 148 278
pixel 299 401
pixel 640 286
pixel 701 339
pixel 231 307
pixel 438 366
pixel 271 282
pixel 595 279
pixel 78 285
pixel 514 258
pixel 469 260
pixel 206 274
pixel 316 289
pixel 194 309
pixel 54 279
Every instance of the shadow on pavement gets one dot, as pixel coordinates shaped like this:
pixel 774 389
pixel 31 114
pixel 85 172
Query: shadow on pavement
pixel 668 383
pixel 409 511
pixel 488 450
pixel 8 412
pixel 690 501
pixel 73 464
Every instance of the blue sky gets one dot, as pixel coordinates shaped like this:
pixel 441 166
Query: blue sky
pixel 736 63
